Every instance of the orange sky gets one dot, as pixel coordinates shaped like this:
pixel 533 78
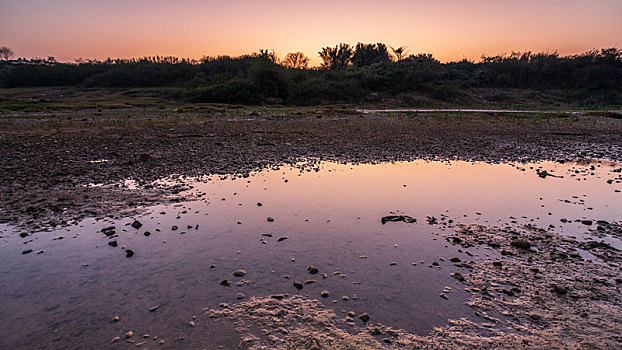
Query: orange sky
pixel 449 29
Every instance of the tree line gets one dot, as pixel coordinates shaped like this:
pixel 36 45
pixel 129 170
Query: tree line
pixel 347 74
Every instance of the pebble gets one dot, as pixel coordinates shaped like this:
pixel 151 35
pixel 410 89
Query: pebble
pixel 129 334
pixel 191 324
pixel 282 238
pixel 270 219
pixel 324 294
pixel 129 253
pixel 116 319
pixel 27 251
pixel 115 339
pixel 239 273
pixel 298 285
pixel 137 224
pixel 364 317
pixel 454 259
pixel 153 308
pixel 312 269
pixel 442 295
pixel 240 296
pixel 458 276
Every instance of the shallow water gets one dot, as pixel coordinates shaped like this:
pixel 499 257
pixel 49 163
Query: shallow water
pixel 331 215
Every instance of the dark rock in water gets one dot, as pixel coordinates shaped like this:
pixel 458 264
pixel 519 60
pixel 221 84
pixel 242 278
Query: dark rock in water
pixel 395 218
pixel 521 243
pixel 239 273
pixel 108 231
pixel 129 253
pixel 312 269
pixel 225 283
pixel 27 251
pixel 298 285
pixel 136 224
pixel 454 259
pixel 112 243
pixel 282 238
pixel 270 219
pixel 324 294
pixel 458 276
pixel 586 222
pixel 147 233
pixel 364 317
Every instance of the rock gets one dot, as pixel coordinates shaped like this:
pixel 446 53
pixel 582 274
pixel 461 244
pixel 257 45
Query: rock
pixel 116 319
pixel 240 296
pixel 395 218
pixel 312 269
pixel 458 276
pixel 27 251
pixel 375 331
pixel 137 224
pixel 586 222
pixel 153 308
pixel 259 204
pixel 282 238
pixel 351 313
pixel 129 334
pixel 129 253
pixel 191 324
pixel 277 296
pixel 174 228
pixel 147 233
pixel 108 231
pixel 309 281
pixel 267 234
pixel 112 243
pixel 298 285
pixel 442 295
pixel 561 290
pixel 225 283
pixel 454 259
pixel 270 219
pixel 239 273
pixel 520 243
pixel 324 294
pixel 364 317
pixel 115 339
pixel 345 298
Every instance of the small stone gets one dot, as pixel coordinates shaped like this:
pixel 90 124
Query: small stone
pixel 560 289
pixel 454 259
pixel 586 222
pixel 442 295
pixel 191 324
pixel 393 263
pixel 375 331
pixel 364 317
pixel 270 219
pixel 282 238
pixel 174 228
pixel 116 319
pixel 309 281
pixel 153 308
pixel 520 243
pixel 312 269
pixel 345 298
pixel 324 294
pixel 115 339
pixel 458 276
pixel 225 283
pixel 259 204
pixel 240 296
pixel 129 334
pixel 113 243
pixel 239 273
pixel 497 263
pixel 147 233
pixel 129 253
pixel 136 224
pixel 298 285
pixel 277 296
pixel 351 313
pixel 27 251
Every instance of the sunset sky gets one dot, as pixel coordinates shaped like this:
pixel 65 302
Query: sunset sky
pixel 449 29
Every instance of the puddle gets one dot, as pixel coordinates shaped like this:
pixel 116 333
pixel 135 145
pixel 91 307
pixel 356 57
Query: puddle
pixel 324 214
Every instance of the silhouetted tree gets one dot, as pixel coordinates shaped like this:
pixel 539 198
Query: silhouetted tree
pixel 6 53
pixel 399 52
pixel 338 57
pixel 296 60
pixel 268 55
pixel 368 54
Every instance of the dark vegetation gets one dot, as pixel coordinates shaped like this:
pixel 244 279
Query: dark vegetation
pixel 359 74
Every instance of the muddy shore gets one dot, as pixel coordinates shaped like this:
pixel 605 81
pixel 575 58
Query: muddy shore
pixel 63 165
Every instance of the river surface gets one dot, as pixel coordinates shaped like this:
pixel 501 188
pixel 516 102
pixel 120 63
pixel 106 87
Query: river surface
pixel 274 224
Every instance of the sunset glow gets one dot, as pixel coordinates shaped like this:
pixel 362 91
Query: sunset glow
pixel 449 29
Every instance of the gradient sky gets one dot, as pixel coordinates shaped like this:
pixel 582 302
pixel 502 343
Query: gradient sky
pixel 449 29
